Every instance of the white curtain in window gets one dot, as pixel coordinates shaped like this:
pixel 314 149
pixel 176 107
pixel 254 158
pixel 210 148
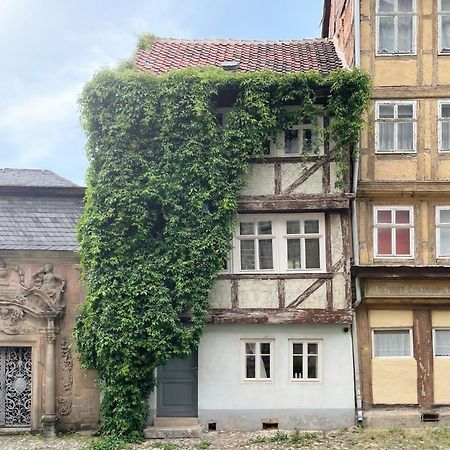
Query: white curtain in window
pixel 405 34
pixel 405 136
pixel 445 33
pixel 392 343
pixel 386 35
pixel 442 342
pixel 444 241
pixel 445 135
pixel 386 136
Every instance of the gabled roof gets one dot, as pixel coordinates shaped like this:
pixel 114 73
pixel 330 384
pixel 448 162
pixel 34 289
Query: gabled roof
pixel 39 210
pixel 32 178
pixel 165 55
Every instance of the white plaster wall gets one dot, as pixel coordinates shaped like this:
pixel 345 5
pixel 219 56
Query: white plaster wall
pixel 295 287
pixel 292 172
pixel 261 180
pixel 258 294
pixel 339 300
pixel 221 387
pixel 220 295
pixel 337 248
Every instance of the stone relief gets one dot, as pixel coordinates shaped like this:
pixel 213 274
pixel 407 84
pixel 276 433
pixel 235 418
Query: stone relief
pixel 65 378
pixel 42 297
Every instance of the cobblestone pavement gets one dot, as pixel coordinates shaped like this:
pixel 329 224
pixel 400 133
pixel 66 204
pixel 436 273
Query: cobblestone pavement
pixel 353 438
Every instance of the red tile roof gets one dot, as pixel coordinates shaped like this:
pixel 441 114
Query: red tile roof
pixel 281 56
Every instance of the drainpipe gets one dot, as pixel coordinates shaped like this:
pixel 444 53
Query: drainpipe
pixel 355 240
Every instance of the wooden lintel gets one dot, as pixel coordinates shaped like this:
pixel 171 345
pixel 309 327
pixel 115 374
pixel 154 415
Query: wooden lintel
pixel 294 203
pixel 277 316
pixel 276 276
pixel 402 189
pixel 401 271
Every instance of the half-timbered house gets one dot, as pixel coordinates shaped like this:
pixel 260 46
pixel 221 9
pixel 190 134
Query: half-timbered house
pixel 277 349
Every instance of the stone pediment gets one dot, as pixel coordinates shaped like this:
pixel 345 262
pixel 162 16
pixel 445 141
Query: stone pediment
pixel 40 296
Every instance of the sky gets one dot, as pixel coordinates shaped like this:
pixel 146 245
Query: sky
pixel 50 48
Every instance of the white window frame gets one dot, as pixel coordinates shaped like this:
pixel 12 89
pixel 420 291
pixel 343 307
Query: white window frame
pixel 279 243
pixel 256 341
pixel 411 342
pixel 396 14
pixel 434 341
pixel 440 121
pixel 440 14
pixel 393 227
pixel 439 226
pixel 316 135
pixel 395 120
pixel 305 343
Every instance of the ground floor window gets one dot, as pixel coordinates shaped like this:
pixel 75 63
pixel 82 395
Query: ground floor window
pixel 442 342
pixel 304 360
pixel 392 343
pixel 258 359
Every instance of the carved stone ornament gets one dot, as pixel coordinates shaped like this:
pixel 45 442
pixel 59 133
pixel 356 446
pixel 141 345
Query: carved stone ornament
pixel 65 379
pixel 42 297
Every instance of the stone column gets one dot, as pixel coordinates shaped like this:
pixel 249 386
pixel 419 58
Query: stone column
pixel 49 416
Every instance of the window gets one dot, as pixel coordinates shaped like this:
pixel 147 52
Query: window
pixel 258 357
pixel 395 128
pixel 443 231
pixel 305 360
pixel 279 243
pixel 444 125
pixel 396 27
pixel 393 231
pixel 444 26
pixel 392 343
pixel 300 139
pixel 441 342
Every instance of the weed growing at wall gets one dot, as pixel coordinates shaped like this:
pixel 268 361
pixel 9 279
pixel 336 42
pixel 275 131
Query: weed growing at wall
pixel 161 202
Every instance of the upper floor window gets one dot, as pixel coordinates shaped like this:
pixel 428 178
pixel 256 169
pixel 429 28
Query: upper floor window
pixel 279 243
pixel 395 127
pixel 393 231
pixel 444 125
pixel 441 342
pixel 396 27
pixel 443 231
pixel 300 139
pixel 444 26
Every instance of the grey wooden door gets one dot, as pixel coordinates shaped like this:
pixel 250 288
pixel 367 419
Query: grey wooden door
pixel 15 387
pixel 177 393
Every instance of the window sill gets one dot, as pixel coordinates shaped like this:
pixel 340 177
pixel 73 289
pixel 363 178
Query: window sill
pixel 300 381
pixel 397 55
pixel 252 380
pixel 274 276
pixel 395 153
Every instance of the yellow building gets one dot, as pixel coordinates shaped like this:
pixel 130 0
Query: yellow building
pixel 402 245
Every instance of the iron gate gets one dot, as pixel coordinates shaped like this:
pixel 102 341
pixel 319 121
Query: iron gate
pixel 15 387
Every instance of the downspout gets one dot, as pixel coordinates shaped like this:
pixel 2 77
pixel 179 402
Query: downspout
pixel 355 239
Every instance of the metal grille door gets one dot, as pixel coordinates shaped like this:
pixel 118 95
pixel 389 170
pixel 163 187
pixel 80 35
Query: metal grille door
pixel 15 387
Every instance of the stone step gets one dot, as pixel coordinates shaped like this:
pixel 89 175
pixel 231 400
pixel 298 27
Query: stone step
pixel 175 421
pixel 173 432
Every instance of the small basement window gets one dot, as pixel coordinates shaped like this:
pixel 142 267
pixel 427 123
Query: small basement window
pixel 430 417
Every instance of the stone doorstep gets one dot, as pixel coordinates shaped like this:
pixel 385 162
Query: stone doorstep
pixel 173 432
pixel 175 421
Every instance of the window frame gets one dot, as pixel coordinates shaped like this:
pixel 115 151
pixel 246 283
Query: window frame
pixel 434 341
pixel 257 379
pixel 440 120
pixel 441 13
pixel 393 227
pixel 396 14
pixel 439 226
pixel 395 120
pixel 279 243
pixel 411 341
pixel 306 341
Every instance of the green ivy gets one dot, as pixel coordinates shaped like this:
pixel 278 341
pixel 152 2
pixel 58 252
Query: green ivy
pixel 160 207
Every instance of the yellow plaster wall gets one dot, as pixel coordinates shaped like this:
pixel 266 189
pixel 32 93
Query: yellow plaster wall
pixel 444 71
pixel 389 72
pixel 379 318
pixel 441 369
pixel 440 319
pixel 387 168
pixel 394 380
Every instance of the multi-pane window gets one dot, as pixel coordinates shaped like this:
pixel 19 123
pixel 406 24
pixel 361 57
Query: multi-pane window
pixel 395 127
pixel 444 125
pixel 393 231
pixel 392 343
pixel 396 27
pixel 279 243
pixel 444 26
pixel 441 342
pixel 443 231
pixel 258 355
pixel 300 139
pixel 305 363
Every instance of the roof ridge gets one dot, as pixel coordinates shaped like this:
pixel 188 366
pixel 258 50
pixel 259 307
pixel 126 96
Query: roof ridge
pixel 249 41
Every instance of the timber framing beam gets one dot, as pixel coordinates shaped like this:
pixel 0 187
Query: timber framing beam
pixel 401 271
pixel 294 203
pixel 403 189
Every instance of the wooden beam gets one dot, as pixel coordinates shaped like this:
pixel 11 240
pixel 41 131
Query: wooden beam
pixel 276 316
pixel 275 276
pixel 423 352
pixel 306 174
pixel 294 203
pixel 401 271
pixel 365 355
pixel 404 189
